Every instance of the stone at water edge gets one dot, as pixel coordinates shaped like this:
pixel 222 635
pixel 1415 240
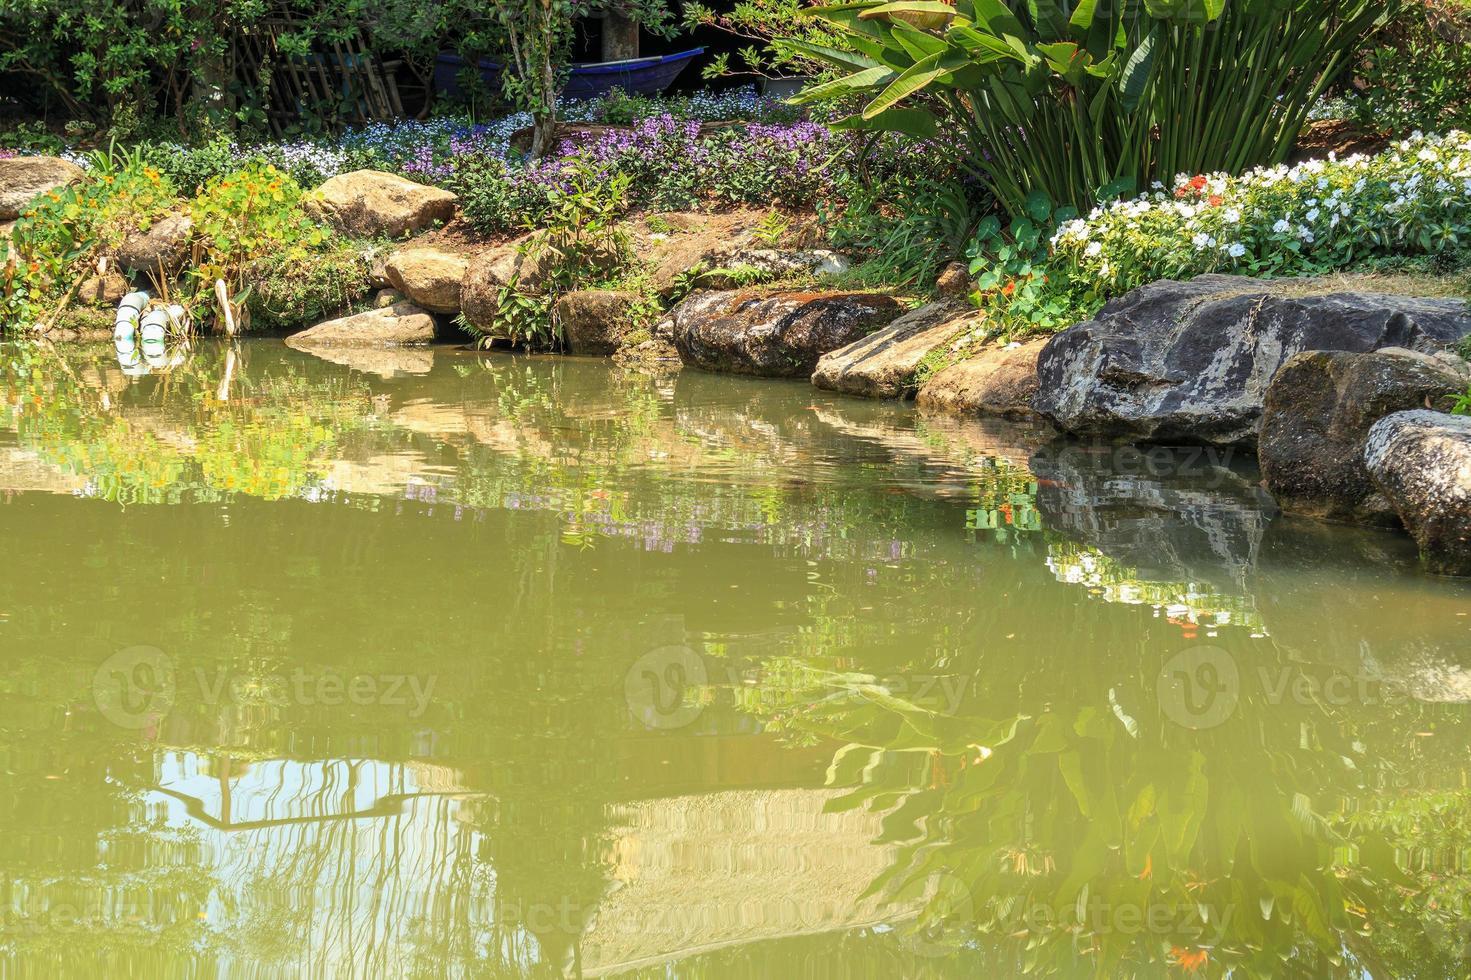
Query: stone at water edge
pixel 428 276
pixel 1421 462
pixel 103 290
pixel 486 275
pixel 1190 361
pixel 882 365
pixel 774 334
pixel 594 321
pixel 371 203
pixel 1318 412
pixel 1000 381
pixel 22 179
pixel 162 246
pixel 392 326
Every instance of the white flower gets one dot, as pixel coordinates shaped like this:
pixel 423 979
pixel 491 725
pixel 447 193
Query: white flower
pixel 1312 215
pixel 1282 226
pixel 1236 251
pixel 1232 216
pixel 1093 249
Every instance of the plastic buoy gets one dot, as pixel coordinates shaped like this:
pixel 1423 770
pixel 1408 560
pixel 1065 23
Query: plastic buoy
pixel 154 326
pixel 129 309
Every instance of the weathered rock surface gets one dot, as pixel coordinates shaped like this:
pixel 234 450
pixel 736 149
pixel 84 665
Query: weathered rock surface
pixel 997 381
pixel 369 203
pixel 486 275
pixel 162 246
pixel 1191 361
pixel 387 297
pixel 778 334
pixel 104 290
pixel 23 178
pixel 594 321
pixel 686 241
pixel 955 281
pixel 428 276
pixel 882 365
pixel 392 326
pixel 1421 462
pixel 1318 412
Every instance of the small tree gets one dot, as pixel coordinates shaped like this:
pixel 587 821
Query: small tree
pixel 536 36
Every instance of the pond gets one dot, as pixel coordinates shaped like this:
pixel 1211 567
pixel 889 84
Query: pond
pixel 427 662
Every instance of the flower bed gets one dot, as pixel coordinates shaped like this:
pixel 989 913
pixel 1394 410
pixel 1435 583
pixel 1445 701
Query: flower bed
pixel 1412 201
pixel 1322 215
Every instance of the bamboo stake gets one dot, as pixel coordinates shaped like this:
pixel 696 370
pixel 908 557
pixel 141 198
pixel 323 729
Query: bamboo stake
pixel 222 293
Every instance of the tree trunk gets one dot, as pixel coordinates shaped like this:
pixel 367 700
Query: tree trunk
pixel 620 37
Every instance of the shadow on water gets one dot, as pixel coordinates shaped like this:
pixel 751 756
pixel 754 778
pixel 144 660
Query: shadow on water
pixel 425 662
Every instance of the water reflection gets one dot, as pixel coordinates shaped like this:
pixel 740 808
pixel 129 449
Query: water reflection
pixel 516 666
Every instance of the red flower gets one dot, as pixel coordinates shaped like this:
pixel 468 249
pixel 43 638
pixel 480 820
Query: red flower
pixel 1217 200
pixel 1008 289
pixel 1198 182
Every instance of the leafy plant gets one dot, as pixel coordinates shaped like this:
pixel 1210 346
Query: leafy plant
pixel 295 290
pixel 251 214
pixel 772 229
pixel 63 232
pixel 769 28
pixel 1417 73
pixel 909 227
pixel 1082 100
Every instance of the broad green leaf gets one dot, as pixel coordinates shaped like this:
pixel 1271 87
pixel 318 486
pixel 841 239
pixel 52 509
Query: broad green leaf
pixel 1137 71
pixel 926 15
pixel 858 82
pixel 916 78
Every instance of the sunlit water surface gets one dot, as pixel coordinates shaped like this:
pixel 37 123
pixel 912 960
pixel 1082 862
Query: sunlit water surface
pixel 430 663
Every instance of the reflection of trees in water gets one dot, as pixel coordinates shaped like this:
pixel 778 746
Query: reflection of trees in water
pixel 175 437
pixel 1055 812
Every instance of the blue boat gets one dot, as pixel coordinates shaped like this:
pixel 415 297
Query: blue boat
pixel 637 76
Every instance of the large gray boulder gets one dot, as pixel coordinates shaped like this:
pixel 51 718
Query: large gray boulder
pixel 22 179
pixel 371 203
pixel 774 334
pixel 882 365
pixel 1191 361
pixel 1318 412
pixel 392 326
pixel 999 381
pixel 1421 462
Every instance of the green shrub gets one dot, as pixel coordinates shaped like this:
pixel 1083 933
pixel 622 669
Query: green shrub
pixel 290 291
pixel 1082 100
pixel 61 234
pixel 1414 199
pixel 1417 74
pixel 908 227
pixel 251 214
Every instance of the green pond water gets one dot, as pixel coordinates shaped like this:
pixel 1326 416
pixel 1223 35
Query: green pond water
pixel 428 663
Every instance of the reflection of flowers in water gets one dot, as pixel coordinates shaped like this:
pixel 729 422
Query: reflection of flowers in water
pixel 1188 605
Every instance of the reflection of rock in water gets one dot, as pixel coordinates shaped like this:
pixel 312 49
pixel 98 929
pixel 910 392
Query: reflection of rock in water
pixel 386 362
pixel 1355 599
pixel 1171 515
